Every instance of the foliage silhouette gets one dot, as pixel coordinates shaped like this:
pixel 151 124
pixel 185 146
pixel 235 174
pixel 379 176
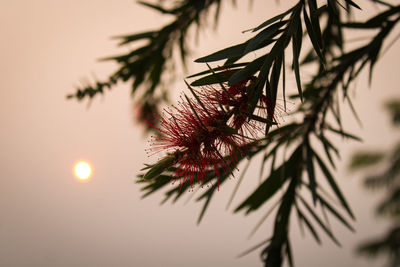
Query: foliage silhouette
pixel 388 180
pixel 234 107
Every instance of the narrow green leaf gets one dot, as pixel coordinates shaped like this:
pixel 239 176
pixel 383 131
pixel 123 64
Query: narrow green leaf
pixel 130 38
pixel 238 184
pixel 335 213
pixel 353 4
pixel 311 171
pixel 271 104
pixel 274 253
pixel 247 71
pixel 271 185
pixel 254 248
pixel 264 192
pixel 308 224
pixel 289 253
pixel 333 185
pixel 158 8
pixel 345 134
pixel 384 3
pixel 264 35
pixel 354 111
pixel 382 17
pixel 182 50
pixel 179 191
pixel 314 16
pixel 272 20
pixel 231 61
pixel 223 76
pixel 310 57
pixel 159 167
pixel 325 216
pixel 213 188
pixel 233 51
pixel 300 222
pixel 327 148
pixel 205 206
pixel 284 80
pixel 272 153
pixel 296 45
pixel 319 221
pixel 264 160
pixel 262 79
pixel 261 221
pixel 275 75
pixel 155 184
pixel 230 67
pixel 273 160
pixel 336 113
pixel 312 35
pixel 124 58
pixel 363 159
pixel 373 57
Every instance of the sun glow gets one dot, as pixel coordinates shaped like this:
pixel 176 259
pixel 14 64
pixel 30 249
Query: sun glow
pixel 82 170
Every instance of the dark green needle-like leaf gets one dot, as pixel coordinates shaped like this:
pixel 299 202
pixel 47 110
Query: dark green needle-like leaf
pixel 333 185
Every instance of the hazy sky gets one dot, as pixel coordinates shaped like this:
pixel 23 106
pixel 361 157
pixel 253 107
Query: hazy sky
pixel 48 218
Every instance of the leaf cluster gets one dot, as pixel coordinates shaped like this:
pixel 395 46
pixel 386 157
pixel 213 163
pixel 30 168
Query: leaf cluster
pixel 303 167
pixel 146 65
pixel 294 168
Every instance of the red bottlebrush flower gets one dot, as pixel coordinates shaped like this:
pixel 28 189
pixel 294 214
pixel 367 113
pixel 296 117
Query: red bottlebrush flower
pixel 235 99
pixel 207 134
pixel 197 136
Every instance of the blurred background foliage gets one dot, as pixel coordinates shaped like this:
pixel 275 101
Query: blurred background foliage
pixel 388 181
pixel 298 157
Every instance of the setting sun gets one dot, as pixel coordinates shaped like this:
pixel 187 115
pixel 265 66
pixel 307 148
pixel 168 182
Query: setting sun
pixel 82 170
